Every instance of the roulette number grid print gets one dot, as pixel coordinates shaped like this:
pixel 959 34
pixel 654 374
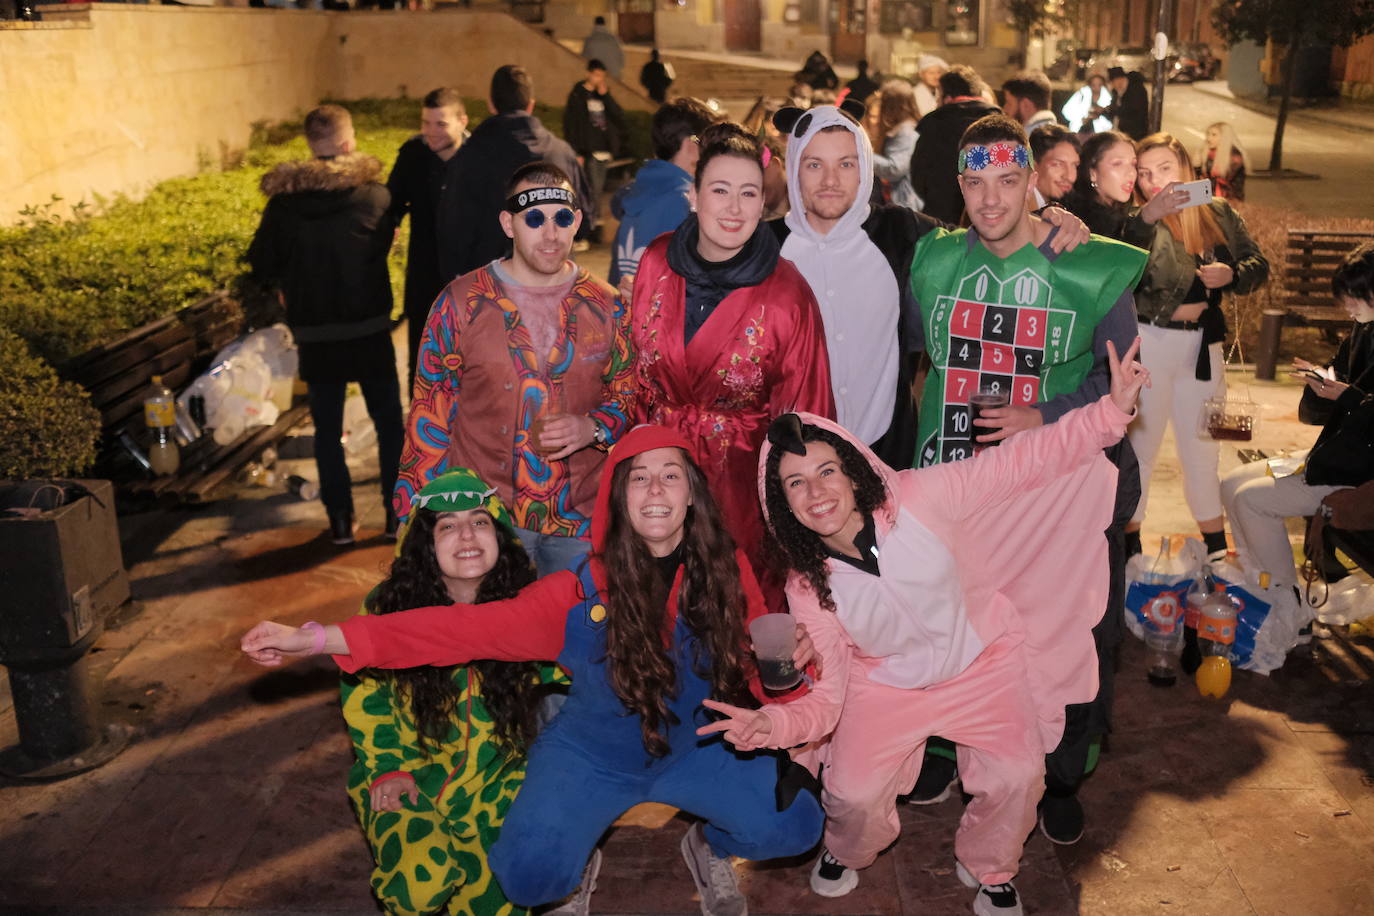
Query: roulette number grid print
pixel 996 334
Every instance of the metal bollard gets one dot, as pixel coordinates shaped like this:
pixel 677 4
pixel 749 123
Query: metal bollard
pixel 1267 356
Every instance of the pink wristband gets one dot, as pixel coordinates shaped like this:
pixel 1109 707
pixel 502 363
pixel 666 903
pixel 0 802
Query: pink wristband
pixel 318 630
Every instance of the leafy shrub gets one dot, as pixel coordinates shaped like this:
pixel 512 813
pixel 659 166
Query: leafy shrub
pixel 48 427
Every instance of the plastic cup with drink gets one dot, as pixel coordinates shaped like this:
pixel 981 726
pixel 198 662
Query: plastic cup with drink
pixel 775 639
pixel 549 410
pixel 987 397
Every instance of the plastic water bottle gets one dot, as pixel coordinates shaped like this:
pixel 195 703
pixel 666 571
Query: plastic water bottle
pixel 1157 574
pixel 304 489
pixel 1216 634
pixel 160 416
pixel 1202 586
pixel 1163 634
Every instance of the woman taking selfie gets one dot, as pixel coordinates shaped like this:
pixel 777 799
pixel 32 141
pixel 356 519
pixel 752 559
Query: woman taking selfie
pixel 649 626
pixel 1198 250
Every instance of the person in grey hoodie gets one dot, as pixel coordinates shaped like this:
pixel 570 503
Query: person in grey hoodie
pixel 601 44
pixel 656 201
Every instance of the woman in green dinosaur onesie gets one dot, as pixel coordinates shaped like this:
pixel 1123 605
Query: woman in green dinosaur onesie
pixel 441 751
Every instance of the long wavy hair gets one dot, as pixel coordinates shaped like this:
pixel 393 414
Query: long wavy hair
pixel 795 547
pixel 710 602
pixel 509 689
pixel 1196 227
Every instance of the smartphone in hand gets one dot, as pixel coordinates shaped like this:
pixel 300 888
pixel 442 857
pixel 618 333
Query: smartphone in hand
pixel 1199 192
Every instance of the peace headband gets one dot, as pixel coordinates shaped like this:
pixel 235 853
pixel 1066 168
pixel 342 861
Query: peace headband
pixel 977 157
pixel 533 197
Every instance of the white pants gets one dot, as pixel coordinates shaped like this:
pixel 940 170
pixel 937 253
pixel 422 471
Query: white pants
pixel 1257 505
pixel 1176 394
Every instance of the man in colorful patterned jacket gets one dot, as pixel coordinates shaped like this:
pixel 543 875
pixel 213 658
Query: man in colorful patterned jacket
pixel 524 375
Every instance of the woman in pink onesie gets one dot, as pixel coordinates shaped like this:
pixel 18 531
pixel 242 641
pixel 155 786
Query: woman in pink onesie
pixel 957 600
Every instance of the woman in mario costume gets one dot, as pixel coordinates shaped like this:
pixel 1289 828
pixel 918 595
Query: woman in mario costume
pixel 648 627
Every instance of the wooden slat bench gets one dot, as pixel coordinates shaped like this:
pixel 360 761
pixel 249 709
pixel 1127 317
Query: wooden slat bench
pixel 1310 259
pixel 178 348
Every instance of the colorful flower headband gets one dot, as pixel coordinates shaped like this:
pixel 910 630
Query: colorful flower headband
pixel 977 157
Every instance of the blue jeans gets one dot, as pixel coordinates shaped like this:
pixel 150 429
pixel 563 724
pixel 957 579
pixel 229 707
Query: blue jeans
pixel 552 553
pixel 383 398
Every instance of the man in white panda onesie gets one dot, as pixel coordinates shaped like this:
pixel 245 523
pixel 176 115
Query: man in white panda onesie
pixel 857 259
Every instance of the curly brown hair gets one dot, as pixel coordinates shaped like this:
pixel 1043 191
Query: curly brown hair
pixel 795 547
pixel 710 602
pixel 510 690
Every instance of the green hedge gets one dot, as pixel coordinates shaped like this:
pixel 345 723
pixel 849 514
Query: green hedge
pixel 48 427
pixel 73 277
pixel 71 282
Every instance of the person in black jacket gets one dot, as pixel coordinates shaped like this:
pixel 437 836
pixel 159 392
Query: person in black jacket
pixel 415 183
pixel 593 125
pixel 817 72
pixel 1130 107
pixel 468 224
pixel 862 85
pixel 323 243
pixel 934 162
pixel 656 76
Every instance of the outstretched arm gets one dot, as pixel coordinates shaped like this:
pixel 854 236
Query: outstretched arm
pixel 528 627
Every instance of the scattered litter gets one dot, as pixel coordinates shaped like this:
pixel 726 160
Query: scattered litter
pixel 1173 868
pixel 1345 813
pixel 1305 836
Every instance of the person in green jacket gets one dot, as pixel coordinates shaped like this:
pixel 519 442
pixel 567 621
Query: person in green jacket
pixel 1196 254
pixel 440 752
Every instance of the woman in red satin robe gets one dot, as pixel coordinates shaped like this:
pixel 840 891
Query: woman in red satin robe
pixel 727 333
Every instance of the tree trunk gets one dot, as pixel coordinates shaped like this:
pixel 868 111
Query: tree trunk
pixel 1290 76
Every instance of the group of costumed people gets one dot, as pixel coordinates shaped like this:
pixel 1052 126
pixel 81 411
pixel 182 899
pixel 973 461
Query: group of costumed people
pixel 763 433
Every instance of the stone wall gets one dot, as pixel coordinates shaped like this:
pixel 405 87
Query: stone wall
pixel 115 97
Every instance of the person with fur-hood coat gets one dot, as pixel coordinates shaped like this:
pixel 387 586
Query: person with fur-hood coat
pixel 933 611
pixel 323 243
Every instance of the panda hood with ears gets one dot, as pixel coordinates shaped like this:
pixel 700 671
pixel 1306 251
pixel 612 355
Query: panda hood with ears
pixel 853 282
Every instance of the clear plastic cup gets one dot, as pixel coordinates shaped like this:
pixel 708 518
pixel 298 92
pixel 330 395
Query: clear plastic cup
pixel 775 639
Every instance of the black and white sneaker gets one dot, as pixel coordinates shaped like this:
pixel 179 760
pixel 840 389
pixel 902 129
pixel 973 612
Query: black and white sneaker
pixel 939 775
pixel 992 899
pixel 831 879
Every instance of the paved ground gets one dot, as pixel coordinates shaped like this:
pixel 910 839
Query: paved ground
pixel 230 797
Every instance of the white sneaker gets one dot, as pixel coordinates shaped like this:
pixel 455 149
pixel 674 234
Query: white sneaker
pixel 831 879
pixel 714 877
pixel 579 904
pixel 992 899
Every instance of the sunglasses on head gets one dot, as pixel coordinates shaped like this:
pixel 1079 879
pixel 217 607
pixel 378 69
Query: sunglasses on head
pixel 562 217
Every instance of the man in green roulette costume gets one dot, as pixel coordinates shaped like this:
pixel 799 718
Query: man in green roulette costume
pixel 1002 313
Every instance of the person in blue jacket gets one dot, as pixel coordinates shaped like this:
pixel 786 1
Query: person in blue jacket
pixel 656 201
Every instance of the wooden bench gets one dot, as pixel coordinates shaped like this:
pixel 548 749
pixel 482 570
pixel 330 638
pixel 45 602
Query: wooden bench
pixel 1310 259
pixel 179 348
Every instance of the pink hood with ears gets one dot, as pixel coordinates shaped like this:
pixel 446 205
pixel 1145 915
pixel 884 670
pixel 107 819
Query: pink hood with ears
pixel 886 514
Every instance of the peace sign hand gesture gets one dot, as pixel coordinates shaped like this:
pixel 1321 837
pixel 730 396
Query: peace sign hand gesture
pixel 746 729
pixel 1128 376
